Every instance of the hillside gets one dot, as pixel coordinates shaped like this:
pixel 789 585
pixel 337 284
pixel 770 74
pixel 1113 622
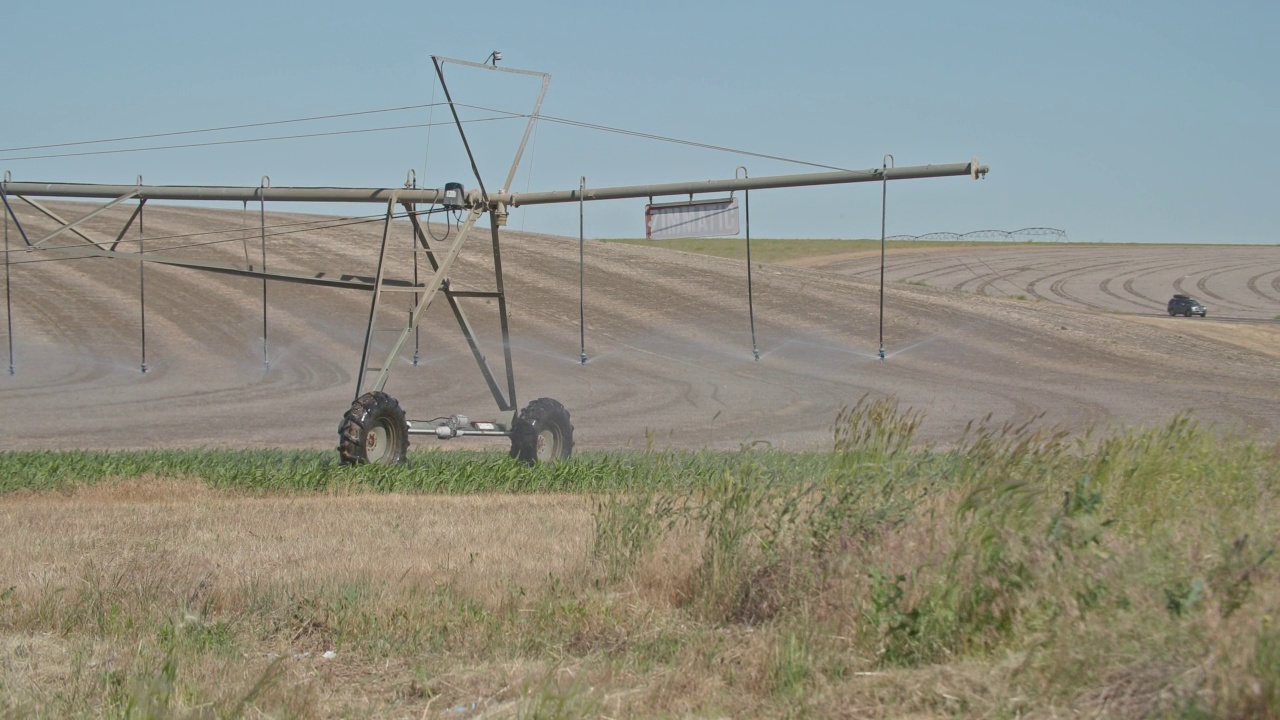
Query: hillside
pixel 667 335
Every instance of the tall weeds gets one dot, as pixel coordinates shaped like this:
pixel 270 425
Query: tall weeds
pixel 1079 556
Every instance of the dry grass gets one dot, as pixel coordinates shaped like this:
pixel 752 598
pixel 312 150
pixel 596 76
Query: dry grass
pixel 1020 574
pixel 220 540
pixel 102 572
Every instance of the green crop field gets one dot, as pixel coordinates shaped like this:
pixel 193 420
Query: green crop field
pixel 1018 573
pixel 427 471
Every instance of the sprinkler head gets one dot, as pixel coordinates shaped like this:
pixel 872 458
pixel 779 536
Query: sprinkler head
pixel 144 369
pixel 583 358
pixel 756 351
pixel 882 353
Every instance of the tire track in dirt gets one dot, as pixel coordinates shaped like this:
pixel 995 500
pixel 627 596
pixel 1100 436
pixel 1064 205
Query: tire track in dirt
pixel 1056 287
pixel 898 269
pixel 1128 285
pixel 1144 301
pixel 1252 284
pixel 1002 275
pixel 986 275
pixel 929 275
pixel 1203 284
pixel 1059 287
pixel 990 283
pixel 975 277
pixel 1178 286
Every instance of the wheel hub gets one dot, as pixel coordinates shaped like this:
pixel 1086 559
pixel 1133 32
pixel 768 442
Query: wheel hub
pixel 547 446
pixel 375 443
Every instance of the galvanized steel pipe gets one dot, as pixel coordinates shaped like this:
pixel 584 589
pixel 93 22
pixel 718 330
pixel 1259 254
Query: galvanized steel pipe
pixel 219 193
pixel 429 196
pixel 759 183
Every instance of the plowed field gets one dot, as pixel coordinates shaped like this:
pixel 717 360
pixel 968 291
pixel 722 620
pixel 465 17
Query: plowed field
pixel 1075 335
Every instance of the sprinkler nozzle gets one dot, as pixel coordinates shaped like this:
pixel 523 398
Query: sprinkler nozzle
pixel 144 368
pixel 583 358
pixel 882 353
pixel 757 353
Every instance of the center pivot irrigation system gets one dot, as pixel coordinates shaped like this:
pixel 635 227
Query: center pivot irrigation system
pixel 375 429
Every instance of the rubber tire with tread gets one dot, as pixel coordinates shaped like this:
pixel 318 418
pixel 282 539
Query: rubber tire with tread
pixel 374 417
pixel 544 419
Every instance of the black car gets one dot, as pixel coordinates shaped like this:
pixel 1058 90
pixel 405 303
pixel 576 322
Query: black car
pixel 1186 305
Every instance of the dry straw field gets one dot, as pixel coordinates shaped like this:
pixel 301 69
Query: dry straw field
pixel 730 542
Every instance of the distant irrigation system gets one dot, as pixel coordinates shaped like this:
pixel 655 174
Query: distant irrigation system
pixel 1030 234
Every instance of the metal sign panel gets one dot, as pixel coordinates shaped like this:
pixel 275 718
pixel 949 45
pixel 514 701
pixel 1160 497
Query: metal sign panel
pixel 699 218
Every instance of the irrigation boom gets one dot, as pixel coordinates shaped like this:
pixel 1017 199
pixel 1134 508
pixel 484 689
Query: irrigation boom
pixel 474 198
pixel 374 429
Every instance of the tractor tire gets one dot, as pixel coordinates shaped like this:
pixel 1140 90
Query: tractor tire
pixel 542 433
pixel 373 431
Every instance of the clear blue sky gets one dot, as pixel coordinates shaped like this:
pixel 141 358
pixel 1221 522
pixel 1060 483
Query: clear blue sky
pixel 1116 121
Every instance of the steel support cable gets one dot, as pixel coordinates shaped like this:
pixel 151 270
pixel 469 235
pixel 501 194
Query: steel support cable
pixel 651 136
pixel 475 170
pixel 355 221
pixel 215 143
pixel 457 121
pixel 4 199
pixel 223 128
pixel 504 115
pixel 689 143
pixel 357 113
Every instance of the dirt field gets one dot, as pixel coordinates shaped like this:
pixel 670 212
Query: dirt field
pixel 1076 333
